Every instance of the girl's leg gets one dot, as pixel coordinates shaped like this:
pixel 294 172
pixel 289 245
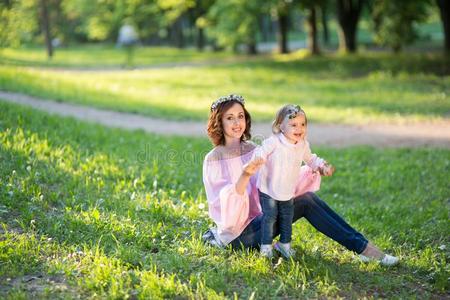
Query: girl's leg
pixel 270 213
pixel 325 220
pixel 285 215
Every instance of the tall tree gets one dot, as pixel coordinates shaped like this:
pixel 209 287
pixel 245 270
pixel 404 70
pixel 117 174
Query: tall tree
pixel 45 19
pixel 324 22
pixel 310 7
pixel 394 21
pixel 198 18
pixel 348 13
pixel 444 9
pixel 313 45
pixel 281 9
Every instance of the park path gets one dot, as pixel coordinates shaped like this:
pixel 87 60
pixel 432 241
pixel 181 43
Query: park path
pixel 435 134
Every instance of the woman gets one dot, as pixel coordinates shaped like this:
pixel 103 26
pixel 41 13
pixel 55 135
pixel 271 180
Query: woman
pixel 230 185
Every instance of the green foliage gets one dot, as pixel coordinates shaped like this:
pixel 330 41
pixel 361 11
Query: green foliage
pixel 101 20
pixel 235 22
pixel 395 20
pixel 18 22
pixel 91 212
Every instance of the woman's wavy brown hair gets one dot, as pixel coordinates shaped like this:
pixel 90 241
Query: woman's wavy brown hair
pixel 215 127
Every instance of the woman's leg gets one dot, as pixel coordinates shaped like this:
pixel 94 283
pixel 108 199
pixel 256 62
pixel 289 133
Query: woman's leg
pixel 250 237
pixel 325 220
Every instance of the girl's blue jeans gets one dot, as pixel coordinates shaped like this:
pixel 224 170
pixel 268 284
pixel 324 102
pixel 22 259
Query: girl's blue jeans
pixel 319 214
pixel 275 211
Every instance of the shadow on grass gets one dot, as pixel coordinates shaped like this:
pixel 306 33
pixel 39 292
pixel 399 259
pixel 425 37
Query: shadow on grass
pixel 160 233
pixel 138 244
pixel 360 65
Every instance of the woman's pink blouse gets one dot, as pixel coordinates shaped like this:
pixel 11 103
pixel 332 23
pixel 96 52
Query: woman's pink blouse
pixel 233 212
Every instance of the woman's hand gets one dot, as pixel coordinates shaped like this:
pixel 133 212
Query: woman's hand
pixel 253 166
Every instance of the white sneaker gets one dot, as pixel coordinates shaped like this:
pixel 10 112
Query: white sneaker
pixel 387 260
pixel 285 249
pixel 266 251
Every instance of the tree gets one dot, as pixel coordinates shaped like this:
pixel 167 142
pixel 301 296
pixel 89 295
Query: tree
pixel 394 21
pixel 45 19
pixel 235 22
pixel 18 22
pixel 199 14
pixel 324 22
pixel 348 13
pixel 280 9
pixel 444 9
pixel 311 7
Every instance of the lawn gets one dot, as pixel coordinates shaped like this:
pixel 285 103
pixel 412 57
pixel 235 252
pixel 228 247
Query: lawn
pixel 92 212
pixel 359 89
pixel 104 56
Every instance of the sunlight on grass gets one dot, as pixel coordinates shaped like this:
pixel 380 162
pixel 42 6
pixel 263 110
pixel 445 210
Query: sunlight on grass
pixel 383 89
pixel 100 213
pixel 95 56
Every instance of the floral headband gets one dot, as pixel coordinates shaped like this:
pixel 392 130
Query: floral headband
pixel 231 97
pixel 293 111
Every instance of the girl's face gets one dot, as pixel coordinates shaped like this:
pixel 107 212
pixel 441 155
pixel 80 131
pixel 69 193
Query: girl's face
pixel 233 122
pixel 294 129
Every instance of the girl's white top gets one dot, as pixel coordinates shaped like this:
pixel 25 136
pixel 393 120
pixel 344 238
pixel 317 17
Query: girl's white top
pixel 279 176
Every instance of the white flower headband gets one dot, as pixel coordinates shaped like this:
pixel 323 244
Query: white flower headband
pixel 293 111
pixel 231 97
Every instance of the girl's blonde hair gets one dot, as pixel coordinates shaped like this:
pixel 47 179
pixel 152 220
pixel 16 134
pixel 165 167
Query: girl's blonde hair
pixel 290 111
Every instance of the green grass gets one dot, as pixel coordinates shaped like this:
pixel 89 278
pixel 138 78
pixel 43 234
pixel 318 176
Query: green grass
pixel 370 87
pixel 91 212
pixel 104 55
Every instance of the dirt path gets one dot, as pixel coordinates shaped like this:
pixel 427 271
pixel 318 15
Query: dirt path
pixel 331 135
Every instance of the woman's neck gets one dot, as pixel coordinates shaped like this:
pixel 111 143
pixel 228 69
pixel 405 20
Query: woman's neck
pixel 232 144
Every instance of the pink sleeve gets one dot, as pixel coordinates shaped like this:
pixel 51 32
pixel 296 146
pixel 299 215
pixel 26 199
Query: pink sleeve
pixel 308 181
pixel 227 208
pixel 311 159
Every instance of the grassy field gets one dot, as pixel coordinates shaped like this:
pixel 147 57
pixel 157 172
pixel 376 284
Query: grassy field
pixel 91 212
pixel 104 55
pixel 365 88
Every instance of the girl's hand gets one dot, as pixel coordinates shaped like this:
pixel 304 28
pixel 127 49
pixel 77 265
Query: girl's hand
pixel 327 170
pixel 253 166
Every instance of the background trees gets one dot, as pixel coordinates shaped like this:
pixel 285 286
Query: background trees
pixel 235 24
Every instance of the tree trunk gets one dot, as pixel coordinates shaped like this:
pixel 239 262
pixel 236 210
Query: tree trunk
pixel 444 9
pixel 348 12
pixel 324 16
pixel 177 33
pixel 264 28
pixel 282 34
pixel 46 28
pixel 200 39
pixel 312 31
pixel 251 48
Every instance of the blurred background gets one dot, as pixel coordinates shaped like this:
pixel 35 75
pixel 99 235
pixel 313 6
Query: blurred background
pixel 246 26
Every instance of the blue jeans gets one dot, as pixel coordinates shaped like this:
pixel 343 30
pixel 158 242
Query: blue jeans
pixel 275 211
pixel 319 214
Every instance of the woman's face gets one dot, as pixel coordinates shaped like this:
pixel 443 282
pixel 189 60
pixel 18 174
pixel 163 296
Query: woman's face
pixel 233 122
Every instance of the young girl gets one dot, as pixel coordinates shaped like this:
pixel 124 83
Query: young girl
pixel 279 178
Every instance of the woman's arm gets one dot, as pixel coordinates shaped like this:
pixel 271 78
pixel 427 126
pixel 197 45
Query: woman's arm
pixel 248 171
